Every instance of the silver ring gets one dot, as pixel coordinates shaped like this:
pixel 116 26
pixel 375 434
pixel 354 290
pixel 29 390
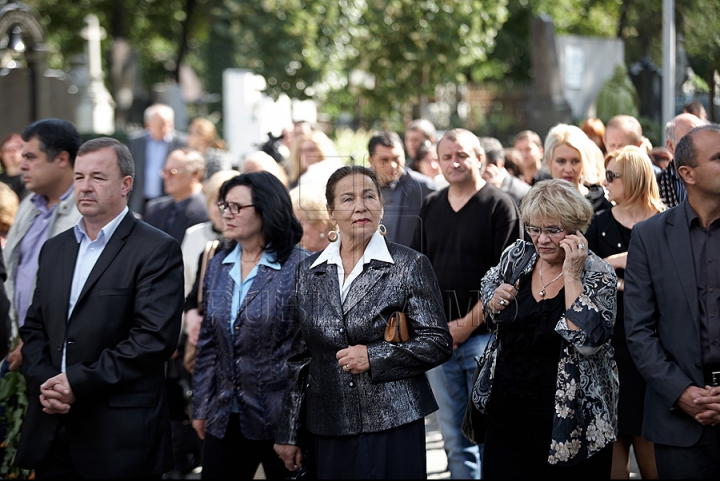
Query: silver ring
pixel 581 246
pixel 347 367
pixel 502 302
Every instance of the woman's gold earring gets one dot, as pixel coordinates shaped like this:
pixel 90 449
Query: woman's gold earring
pixel 333 236
pixel 382 229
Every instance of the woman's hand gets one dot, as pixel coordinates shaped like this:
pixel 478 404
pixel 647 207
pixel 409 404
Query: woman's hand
pixel 503 296
pixel 353 359
pixel 199 427
pixel 193 319
pixel 290 455
pixel 576 251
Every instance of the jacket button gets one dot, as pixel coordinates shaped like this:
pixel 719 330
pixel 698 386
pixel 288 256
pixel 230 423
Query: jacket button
pixel 59 347
pixel 342 330
pixel 351 384
pixel 603 234
pixel 237 328
pixel 698 365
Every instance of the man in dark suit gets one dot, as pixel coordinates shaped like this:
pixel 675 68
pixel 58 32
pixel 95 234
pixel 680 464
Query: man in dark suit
pixel 104 320
pixel 672 294
pixel 185 205
pixel 403 190
pixel 149 150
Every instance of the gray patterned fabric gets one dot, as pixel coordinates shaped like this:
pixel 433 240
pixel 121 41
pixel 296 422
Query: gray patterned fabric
pixel 587 381
pixel 395 390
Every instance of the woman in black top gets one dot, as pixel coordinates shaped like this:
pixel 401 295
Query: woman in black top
pixel 570 155
pixel 631 185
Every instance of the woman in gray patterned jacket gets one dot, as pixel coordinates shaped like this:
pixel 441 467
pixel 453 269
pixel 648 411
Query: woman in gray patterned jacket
pixel 549 384
pixel 364 398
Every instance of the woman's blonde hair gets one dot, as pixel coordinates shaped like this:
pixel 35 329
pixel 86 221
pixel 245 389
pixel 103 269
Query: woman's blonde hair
pixel 637 177
pixel 590 154
pixel 8 207
pixel 208 133
pixel 326 147
pixel 211 187
pixel 310 200
pixel 557 199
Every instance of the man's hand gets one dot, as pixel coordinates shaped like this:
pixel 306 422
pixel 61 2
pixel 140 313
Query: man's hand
pixel 687 403
pixel 460 331
pixel 56 395
pixel 710 401
pixel 15 357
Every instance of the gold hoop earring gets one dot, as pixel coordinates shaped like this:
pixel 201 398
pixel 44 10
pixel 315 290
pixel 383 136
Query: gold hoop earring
pixel 382 230
pixel 333 236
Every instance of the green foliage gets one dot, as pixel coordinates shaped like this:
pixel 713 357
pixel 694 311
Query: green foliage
pixel 353 143
pixel 13 397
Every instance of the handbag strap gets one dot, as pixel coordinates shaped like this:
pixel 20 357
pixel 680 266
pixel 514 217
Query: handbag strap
pixel 208 253
pixel 527 257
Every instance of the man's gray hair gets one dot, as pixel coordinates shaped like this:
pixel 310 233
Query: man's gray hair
pixel 124 158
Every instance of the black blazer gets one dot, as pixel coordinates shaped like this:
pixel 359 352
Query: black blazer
pixel 137 146
pixel 156 214
pixel 662 323
pixel 123 328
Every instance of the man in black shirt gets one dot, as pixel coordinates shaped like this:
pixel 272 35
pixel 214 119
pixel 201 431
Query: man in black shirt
pixel 463 230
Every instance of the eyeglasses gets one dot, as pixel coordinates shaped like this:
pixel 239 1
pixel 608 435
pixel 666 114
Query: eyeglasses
pixel 610 176
pixel 171 172
pixel 548 231
pixel 232 207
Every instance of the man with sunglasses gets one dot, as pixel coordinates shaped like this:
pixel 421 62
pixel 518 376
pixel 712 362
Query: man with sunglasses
pixel 184 206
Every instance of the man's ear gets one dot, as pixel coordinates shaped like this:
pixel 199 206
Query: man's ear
pixel 687 174
pixel 127 183
pixel 63 159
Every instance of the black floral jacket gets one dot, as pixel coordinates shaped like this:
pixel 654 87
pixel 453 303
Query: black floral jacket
pixel 587 380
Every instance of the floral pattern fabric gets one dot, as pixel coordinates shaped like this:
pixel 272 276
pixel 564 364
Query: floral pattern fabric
pixel 585 417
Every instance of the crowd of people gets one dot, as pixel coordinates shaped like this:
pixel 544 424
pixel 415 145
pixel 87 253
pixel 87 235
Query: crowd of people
pixel 553 300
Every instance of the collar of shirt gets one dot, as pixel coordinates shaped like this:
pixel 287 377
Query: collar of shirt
pixel 167 139
pixel 376 249
pixel 40 201
pixel 105 233
pixel 240 287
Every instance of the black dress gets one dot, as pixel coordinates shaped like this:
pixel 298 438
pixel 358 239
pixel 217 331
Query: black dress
pixel 522 403
pixel 606 237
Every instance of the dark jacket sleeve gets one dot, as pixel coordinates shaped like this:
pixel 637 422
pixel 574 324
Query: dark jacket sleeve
pixel 430 343
pixel 5 324
pixel 291 420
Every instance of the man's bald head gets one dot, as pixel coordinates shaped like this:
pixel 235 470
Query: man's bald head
pixel 678 127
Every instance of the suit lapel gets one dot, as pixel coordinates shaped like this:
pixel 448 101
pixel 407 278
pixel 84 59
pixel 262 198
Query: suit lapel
pixel 67 266
pixel 678 238
pixel 116 242
pixel 325 280
pixel 363 283
pixel 261 279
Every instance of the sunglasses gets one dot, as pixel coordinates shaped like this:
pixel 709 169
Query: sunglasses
pixel 610 176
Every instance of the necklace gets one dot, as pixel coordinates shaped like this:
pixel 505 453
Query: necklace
pixel 542 291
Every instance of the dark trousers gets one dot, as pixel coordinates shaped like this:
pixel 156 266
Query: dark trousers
pixel 58 463
pixel 699 461
pixel 236 457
